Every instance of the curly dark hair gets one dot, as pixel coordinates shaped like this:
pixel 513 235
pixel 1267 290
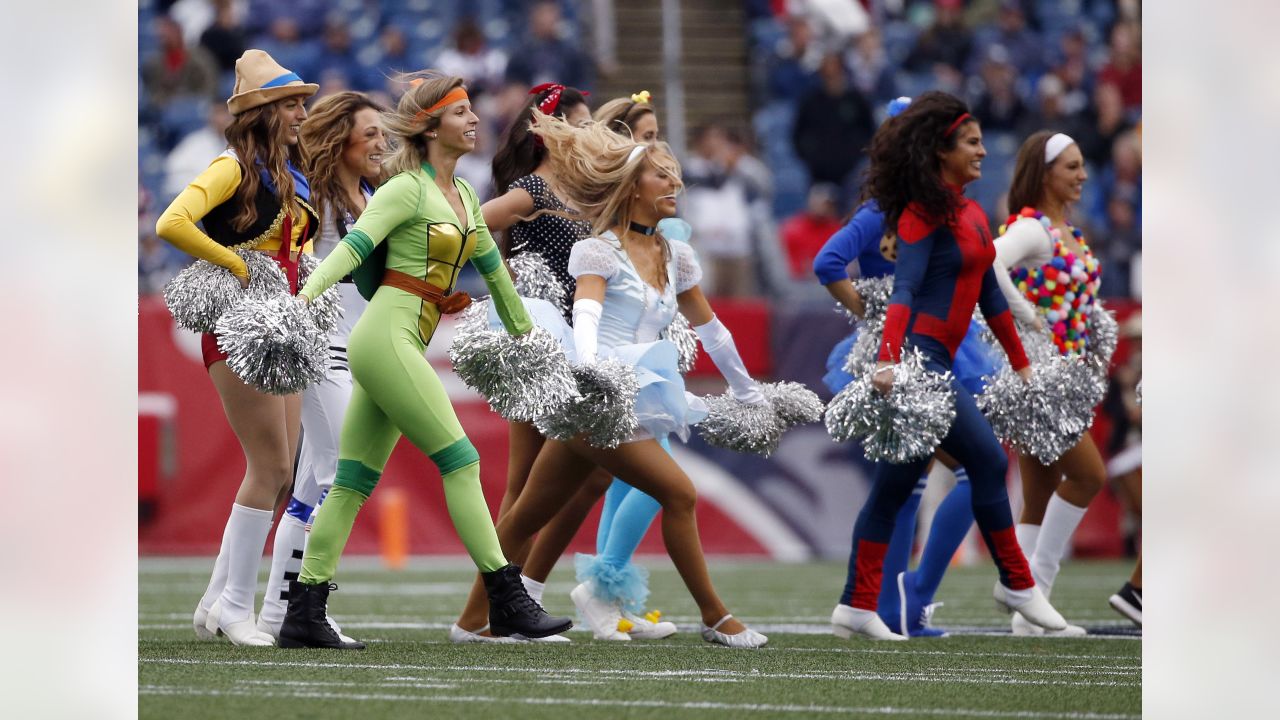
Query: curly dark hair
pixel 905 164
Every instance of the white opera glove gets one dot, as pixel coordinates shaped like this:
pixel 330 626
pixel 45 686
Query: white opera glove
pixel 586 328
pixel 718 343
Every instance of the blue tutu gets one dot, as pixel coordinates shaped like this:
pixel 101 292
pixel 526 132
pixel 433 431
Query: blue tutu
pixel 974 359
pixel 662 405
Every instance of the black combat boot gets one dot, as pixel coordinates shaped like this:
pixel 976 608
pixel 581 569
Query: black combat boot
pixel 306 624
pixel 512 611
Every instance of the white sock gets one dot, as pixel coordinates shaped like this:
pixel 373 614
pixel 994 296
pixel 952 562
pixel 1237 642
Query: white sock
pixel 1061 519
pixel 1027 536
pixel 286 563
pixel 218 579
pixel 247 530
pixel 533 587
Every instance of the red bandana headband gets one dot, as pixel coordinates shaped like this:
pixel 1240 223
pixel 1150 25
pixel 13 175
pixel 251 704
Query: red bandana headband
pixel 449 98
pixel 956 124
pixel 551 102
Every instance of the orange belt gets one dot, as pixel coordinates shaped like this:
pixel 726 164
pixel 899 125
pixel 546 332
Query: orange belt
pixel 448 304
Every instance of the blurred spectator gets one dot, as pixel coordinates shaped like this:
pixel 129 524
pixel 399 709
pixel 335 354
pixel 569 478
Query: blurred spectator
pixel 1124 446
pixel 544 56
pixel 1074 70
pixel 870 69
pixel 389 56
pixel 998 102
pixel 1122 179
pixel 718 207
pixel 195 16
pixel 286 41
pixel 305 15
pixel 156 261
pixel 468 58
pixel 194 152
pixel 225 38
pixel 945 42
pixel 1124 68
pixel 1021 44
pixel 804 233
pixel 1109 121
pixel 837 21
pixel 792 67
pixel 176 70
pixel 337 67
pixel 1121 240
pixel 833 125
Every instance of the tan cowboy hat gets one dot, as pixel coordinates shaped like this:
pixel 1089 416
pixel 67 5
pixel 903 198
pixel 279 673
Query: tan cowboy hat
pixel 261 80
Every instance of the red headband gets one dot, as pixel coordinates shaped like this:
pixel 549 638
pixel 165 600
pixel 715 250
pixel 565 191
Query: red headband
pixel 956 124
pixel 551 102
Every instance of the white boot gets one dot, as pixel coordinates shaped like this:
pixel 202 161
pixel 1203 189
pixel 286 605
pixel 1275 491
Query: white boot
pixel 1031 604
pixel 198 623
pixel 846 621
pixel 241 632
pixel 1023 628
pixel 602 617
pixel 748 638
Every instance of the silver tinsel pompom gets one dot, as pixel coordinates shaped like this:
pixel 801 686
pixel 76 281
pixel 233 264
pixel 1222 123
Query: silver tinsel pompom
pixel 272 344
pixel 793 403
pixel 741 427
pixel 534 279
pixel 907 424
pixel 326 309
pixel 202 292
pixel 1104 335
pixel 685 339
pixel 1046 415
pixel 605 410
pixel 875 294
pixel 521 377
pixel 865 351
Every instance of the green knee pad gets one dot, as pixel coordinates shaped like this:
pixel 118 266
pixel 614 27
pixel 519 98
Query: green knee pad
pixel 355 475
pixel 458 455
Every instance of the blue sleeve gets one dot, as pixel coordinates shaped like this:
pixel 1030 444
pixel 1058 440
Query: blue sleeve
pixel 865 229
pixel 990 299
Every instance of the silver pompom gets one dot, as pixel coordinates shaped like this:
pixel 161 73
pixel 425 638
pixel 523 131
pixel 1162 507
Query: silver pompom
pixel 202 292
pixel 907 424
pixel 1046 415
pixel 273 345
pixel 875 294
pixel 685 339
pixel 793 403
pixel 326 309
pixel 1104 335
pixel 534 279
pixel 521 377
pixel 739 426
pixel 605 410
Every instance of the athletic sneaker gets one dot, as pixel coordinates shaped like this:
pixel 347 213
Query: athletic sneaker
pixel 649 627
pixel 1128 602
pixel 600 615
pixel 915 619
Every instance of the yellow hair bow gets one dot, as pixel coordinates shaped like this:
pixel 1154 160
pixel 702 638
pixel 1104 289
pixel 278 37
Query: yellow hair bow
pixel 641 97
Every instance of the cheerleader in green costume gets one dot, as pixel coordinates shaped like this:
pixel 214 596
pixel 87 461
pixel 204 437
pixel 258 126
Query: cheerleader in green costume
pixel 428 223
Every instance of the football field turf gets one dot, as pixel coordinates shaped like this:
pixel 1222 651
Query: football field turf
pixel 411 670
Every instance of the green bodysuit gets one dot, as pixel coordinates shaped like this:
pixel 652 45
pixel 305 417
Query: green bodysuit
pixel 396 390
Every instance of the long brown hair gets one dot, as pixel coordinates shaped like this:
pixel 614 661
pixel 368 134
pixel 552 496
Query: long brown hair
pixel 1027 188
pixel 406 124
pixel 324 138
pixel 520 153
pixel 254 135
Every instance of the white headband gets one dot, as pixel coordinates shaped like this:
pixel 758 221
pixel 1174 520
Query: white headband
pixel 636 152
pixel 1055 146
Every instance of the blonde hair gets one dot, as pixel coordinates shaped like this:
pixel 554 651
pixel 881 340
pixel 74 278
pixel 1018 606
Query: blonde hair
pixel 406 124
pixel 621 114
pixel 324 138
pixel 595 169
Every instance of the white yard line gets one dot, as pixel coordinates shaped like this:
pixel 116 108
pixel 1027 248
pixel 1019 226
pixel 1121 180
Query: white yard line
pixel 601 702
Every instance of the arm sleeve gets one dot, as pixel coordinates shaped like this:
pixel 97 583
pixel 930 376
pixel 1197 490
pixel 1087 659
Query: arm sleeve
pixel 1024 243
pixel 915 245
pixel 996 311
pixel 394 204
pixel 1018 304
pixel 586 328
pixel 593 256
pixel 832 262
pixel 688 271
pixel 718 343
pixel 210 189
pixel 515 317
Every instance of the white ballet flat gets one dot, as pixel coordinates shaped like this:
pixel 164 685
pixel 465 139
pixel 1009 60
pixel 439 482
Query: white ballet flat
pixel 847 621
pixel 748 638
pixel 1031 604
pixel 458 636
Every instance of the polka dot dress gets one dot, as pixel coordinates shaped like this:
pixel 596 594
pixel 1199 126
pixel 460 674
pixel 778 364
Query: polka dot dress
pixel 551 236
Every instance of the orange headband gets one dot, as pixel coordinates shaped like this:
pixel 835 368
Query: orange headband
pixel 449 98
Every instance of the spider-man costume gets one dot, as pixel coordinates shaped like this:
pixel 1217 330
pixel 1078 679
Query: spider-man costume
pixel 943 270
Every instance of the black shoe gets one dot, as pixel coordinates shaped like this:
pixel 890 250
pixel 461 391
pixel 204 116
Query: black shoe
pixel 305 622
pixel 512 611
pixel 1128 602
